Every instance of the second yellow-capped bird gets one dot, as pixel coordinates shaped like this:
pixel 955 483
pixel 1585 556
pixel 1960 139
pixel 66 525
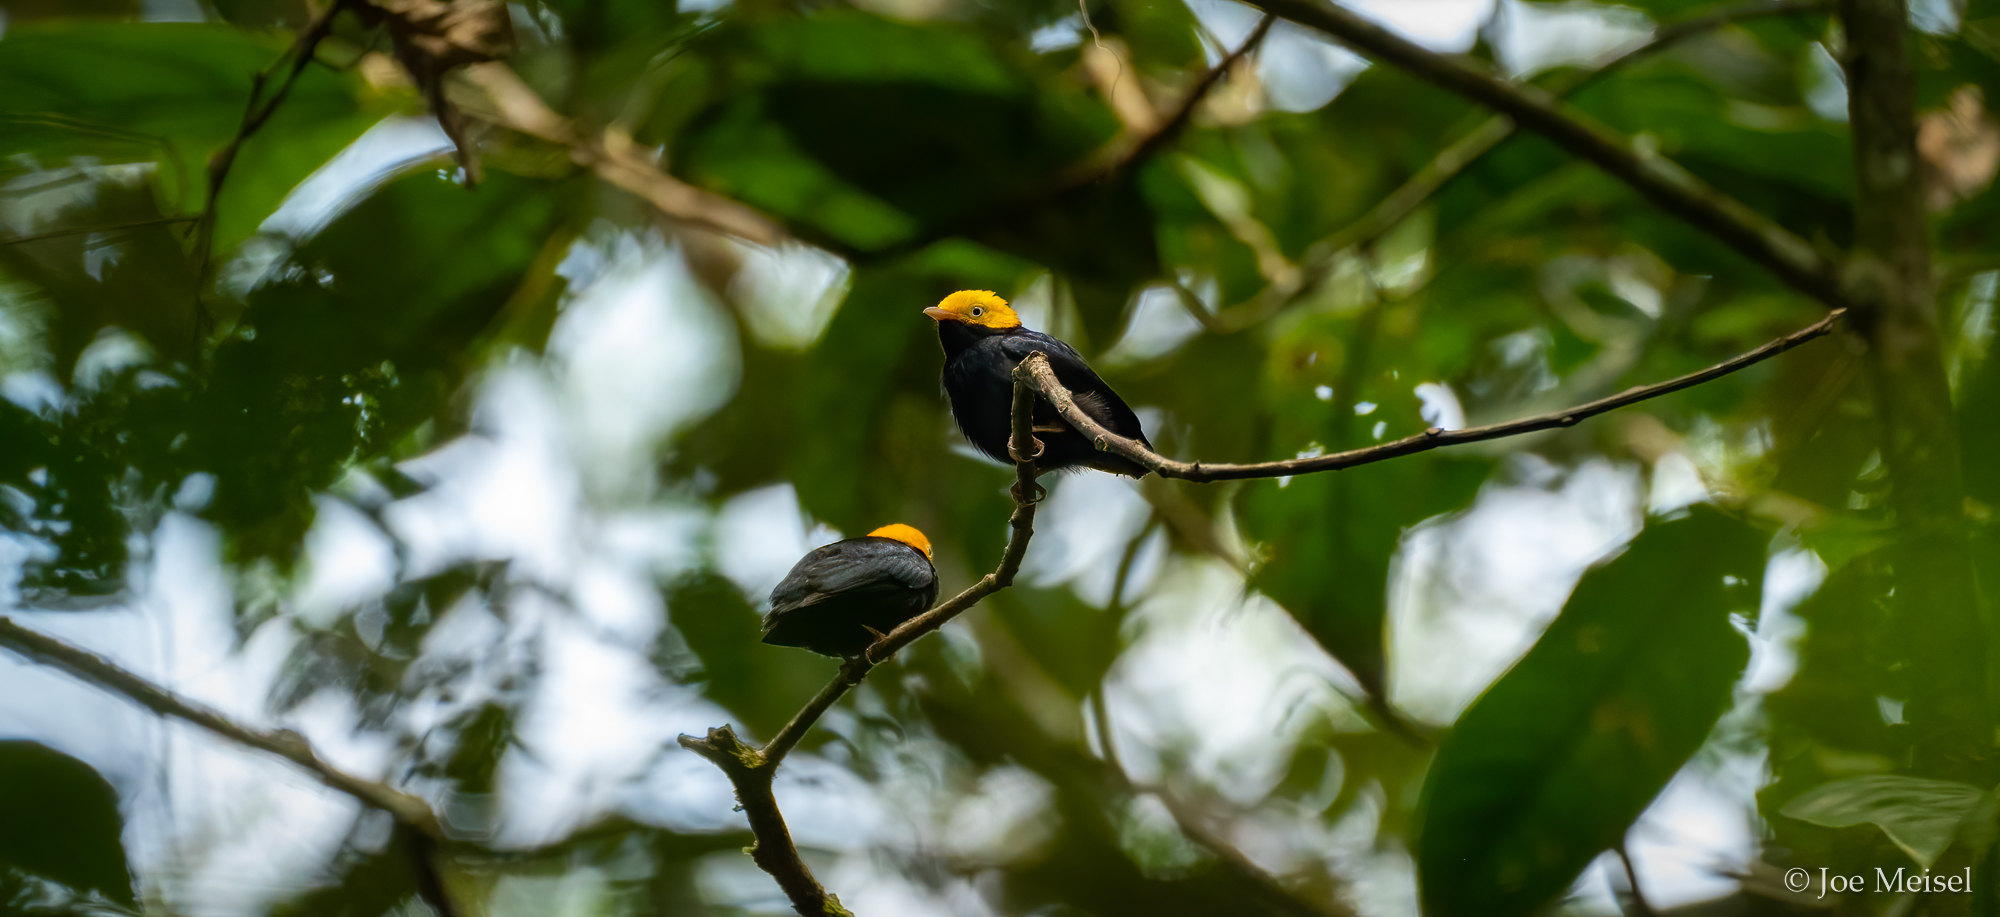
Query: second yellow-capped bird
pixel 840 597
pixel 983 340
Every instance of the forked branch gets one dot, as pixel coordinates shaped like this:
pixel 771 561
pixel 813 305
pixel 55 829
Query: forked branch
pixel 1044 378
pixel 750 770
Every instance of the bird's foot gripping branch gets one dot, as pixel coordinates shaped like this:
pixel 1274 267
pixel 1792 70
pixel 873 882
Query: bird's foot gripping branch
pixel 750 769
pixel 1035 369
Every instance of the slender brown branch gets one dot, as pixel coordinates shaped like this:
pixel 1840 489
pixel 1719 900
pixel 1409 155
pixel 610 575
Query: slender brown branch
pixel 1453 160
pixel 254 116
pixel 80 230
pixel 406 809
pixel 1053 390
pixel 1119 157
pixel 1658 179
pixel 1639 906
pixel 1169 129
pixel 750 770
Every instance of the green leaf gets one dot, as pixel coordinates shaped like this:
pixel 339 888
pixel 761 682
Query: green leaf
pixel 1553 763
pixel 1921 816
pixel 62 822
pixel 173 94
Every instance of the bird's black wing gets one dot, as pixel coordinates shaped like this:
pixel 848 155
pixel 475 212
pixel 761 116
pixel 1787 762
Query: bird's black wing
pixel 854 566
pixel 1090 392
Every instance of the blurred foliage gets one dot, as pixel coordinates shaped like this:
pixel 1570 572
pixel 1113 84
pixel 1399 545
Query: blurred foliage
pixel 1552 763
pixel 327 363
pixel 63 826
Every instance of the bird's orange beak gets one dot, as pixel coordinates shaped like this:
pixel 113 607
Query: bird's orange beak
pixel 943 315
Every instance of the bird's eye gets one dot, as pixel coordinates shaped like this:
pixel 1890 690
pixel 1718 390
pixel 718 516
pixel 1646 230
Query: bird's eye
pixel 978 311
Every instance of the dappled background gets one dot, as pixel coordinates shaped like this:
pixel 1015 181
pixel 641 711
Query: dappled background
pixel 481 489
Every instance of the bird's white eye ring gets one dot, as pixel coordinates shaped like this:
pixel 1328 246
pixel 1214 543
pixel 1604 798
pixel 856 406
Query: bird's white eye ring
pixel 978 311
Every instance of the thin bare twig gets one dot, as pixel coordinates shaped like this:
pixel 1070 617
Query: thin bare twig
pixel 1118 158
pixel 751 770
pixel 1660 180
pixel 1639 906
pixel 1183 114
pixel 80 230
pixel 254 116
pixel 1433 438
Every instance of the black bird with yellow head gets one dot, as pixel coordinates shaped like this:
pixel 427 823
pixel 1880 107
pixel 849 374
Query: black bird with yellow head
pixel 983 341
pixel 842 597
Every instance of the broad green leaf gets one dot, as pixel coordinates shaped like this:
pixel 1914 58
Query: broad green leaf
pixel 1921 816
pixel 61 822
pixel 1553 763
pixel 173 94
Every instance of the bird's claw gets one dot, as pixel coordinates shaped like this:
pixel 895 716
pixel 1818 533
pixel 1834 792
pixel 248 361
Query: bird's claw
pixel 1040 493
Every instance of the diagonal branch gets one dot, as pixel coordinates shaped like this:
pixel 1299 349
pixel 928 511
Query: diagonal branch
pixel 1469 149
pixel 1669 186
pixel 1183 114
pixel 750 770
pixel 412 815
pixel 300 54
pixel 1045 383
pixel 1397 206
pixel 86 665
pixel 1117 158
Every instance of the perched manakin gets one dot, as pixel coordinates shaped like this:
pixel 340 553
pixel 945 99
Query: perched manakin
pixel 839 598
pixel 983 341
